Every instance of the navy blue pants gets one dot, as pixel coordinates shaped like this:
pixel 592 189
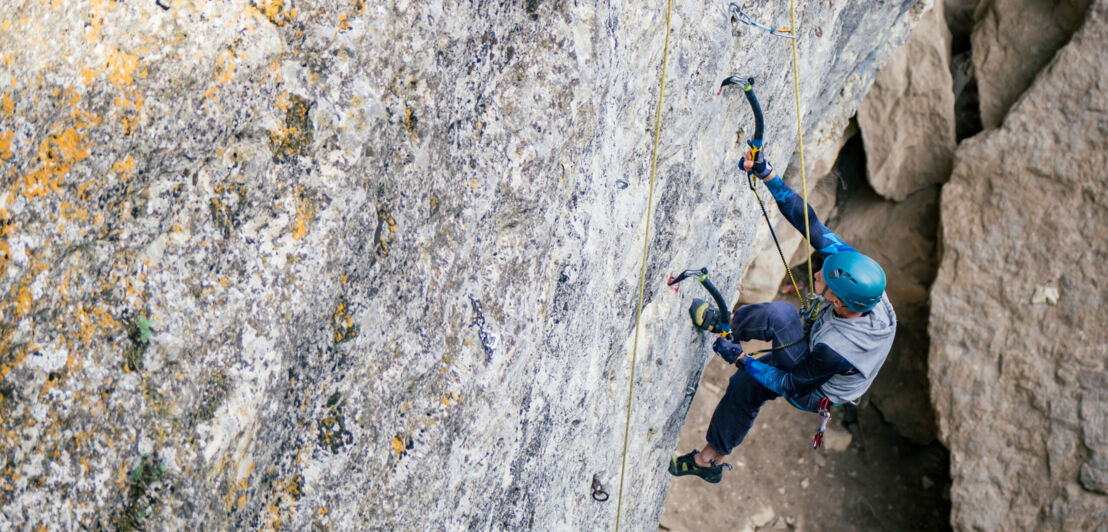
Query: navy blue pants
pixel 780 323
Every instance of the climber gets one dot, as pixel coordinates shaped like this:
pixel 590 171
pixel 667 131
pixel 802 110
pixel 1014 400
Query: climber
pixel 828 359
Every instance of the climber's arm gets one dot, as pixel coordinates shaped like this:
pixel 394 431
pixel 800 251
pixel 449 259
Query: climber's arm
pixel 792 207
pixel 817 368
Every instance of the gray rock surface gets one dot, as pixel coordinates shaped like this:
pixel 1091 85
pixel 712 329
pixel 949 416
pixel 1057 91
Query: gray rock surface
pixel 1018 346
pixel 238 242
pixel 907 119
pixel 1012 41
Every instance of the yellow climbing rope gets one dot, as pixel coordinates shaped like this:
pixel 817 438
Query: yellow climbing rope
pixel 800 147
pixel 642 273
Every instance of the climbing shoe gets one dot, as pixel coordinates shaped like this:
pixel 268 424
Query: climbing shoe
pixel 686 465
pixel 704 316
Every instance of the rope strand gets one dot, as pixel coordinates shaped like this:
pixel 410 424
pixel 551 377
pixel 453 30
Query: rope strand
pixel 642 273
pixel 800 145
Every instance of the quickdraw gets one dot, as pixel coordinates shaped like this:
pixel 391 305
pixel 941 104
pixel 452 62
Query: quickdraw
pixel 489 340
pixel 825 416
pixel 737 11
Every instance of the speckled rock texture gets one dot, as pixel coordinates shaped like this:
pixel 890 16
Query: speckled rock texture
pixel 239 242
pixel 907 118
pixel 1018 343
pixel 1012 41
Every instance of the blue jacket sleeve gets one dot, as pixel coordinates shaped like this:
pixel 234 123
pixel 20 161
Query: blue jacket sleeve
pixel 792 206
pixel 817 368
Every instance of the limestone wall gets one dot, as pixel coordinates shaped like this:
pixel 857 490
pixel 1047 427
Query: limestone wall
pixel 239 241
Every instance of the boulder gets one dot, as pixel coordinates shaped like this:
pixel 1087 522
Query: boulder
pixel 1012 41
pixel 1017 361
pixel 907 119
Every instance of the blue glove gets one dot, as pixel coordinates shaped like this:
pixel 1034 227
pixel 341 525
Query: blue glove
pixel 761 167
pixel 729 351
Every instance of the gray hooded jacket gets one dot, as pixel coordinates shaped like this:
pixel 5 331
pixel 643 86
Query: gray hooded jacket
pixel 863 341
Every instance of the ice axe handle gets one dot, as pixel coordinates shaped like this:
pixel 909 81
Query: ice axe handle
pixel 724 313
pixel 759 122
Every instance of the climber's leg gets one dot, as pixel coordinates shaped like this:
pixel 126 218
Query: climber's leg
pixel 778 322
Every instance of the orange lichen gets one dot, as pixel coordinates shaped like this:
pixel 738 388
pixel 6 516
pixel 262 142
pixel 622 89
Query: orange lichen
pixel 274 11
pixel 7 105
pixel 226 69
pixel 126 166
pixel 303 216
pixel 6 144
pixel 88 75
pixel 121 67
pixel 22 301
pixel 56 155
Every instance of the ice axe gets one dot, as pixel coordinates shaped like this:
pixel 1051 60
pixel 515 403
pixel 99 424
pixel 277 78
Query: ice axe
pixel 724 324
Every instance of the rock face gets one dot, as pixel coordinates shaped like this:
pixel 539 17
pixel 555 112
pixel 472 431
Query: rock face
pixel 907 119
pixel 1018 354
pixel 238 246
pixel 1012 41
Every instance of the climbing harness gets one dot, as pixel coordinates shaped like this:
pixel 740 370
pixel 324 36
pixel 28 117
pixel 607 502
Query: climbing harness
pixel 737 12
pixel 598 493
pixel 724 321
pixel 825 416
pixel 489 340
pixel 642 270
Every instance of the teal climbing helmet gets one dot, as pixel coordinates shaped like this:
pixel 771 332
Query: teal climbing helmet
pixel 855 278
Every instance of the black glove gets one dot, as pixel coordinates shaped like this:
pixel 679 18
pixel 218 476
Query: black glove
pixel 761 167
pixel 729 351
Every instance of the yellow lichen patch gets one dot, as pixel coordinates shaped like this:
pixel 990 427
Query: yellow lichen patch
pixel 226 69
pixel 22 301
pixel 88 75
pixel 303 217
pixel 121 67
pixel 56 156
pixel 410 120
pixel 6 144
pixel 274 11
pixel 7 105
pixel 397 446
pixel 125 167
pixel 342 323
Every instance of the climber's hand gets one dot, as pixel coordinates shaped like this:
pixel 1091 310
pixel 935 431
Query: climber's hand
pixel 729 351
pixel 756 164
